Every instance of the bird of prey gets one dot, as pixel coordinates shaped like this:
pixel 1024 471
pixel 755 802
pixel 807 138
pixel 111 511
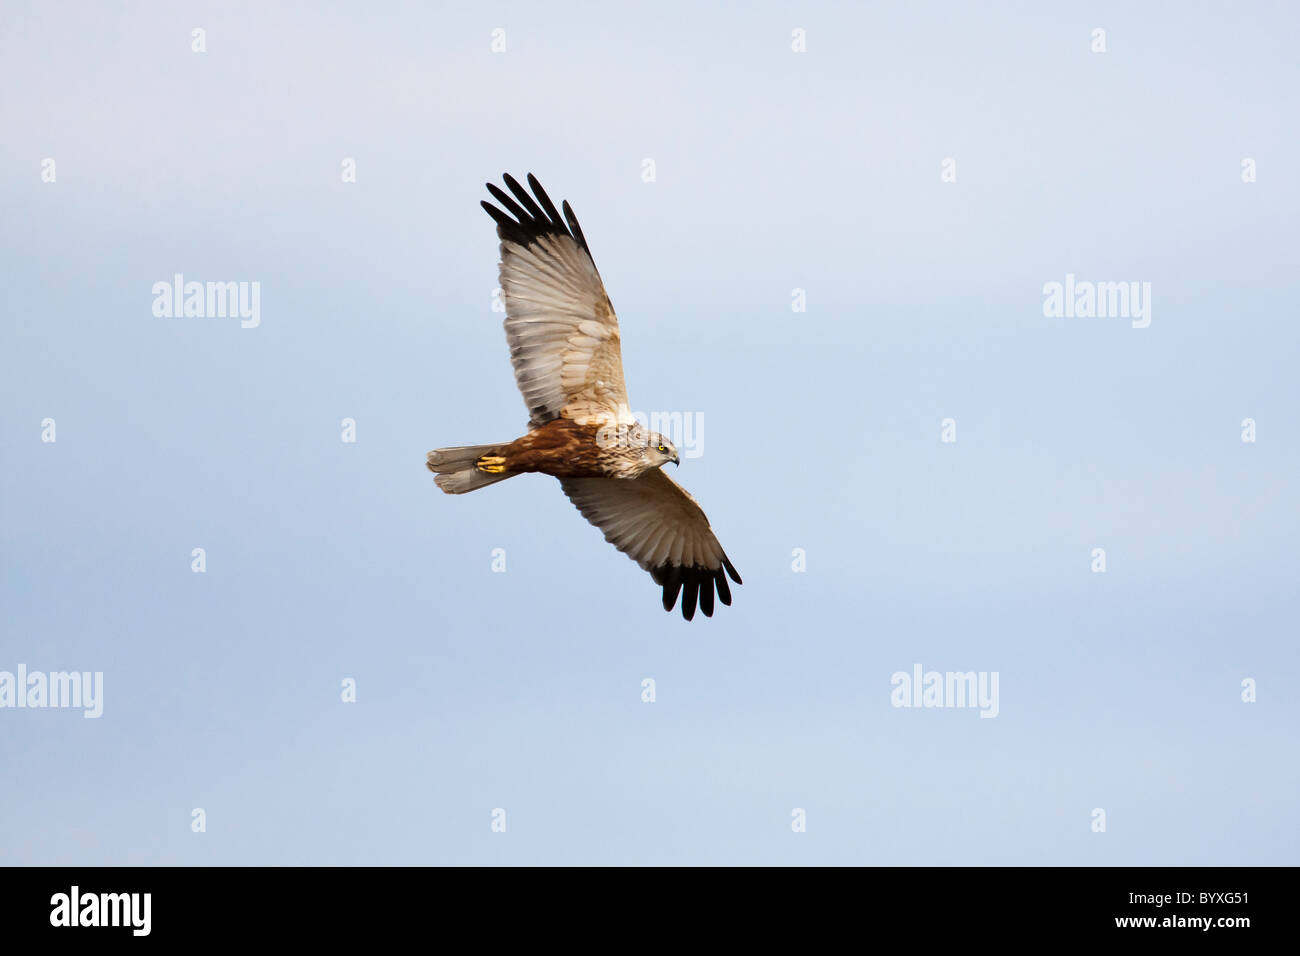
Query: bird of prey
pixel 564 345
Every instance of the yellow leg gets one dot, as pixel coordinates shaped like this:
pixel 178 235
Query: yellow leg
pixel 491 464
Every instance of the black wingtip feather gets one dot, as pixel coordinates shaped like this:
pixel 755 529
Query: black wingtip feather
pixel 672 583
pixel 706 596
pixel 696 586
pixel 504 199
pixel 572 220
pixel 724 592
pixel 690 594
pixel 551 212
pixel 503 221
pixel 533 218
pixel 534 210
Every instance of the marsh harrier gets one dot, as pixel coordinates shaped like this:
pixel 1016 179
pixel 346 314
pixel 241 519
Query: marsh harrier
pixel 564 345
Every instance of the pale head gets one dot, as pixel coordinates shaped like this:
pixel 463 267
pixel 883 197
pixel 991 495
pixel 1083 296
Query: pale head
pixel 651 448
pixel 660 451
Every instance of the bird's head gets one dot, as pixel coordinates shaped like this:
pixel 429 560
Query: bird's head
pixel 659 451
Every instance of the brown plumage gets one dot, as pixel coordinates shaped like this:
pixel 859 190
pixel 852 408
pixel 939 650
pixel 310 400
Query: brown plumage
pixel 561 447
pixel 566 351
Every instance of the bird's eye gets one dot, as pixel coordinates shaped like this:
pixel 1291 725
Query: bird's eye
pixel 663 450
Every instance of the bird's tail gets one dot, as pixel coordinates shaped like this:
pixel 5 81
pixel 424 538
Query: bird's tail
pixel 458 470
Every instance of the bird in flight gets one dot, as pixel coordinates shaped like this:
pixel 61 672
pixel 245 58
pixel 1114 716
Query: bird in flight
pixel 564 345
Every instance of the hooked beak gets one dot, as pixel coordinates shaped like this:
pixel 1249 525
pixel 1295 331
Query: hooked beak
pixel 676 461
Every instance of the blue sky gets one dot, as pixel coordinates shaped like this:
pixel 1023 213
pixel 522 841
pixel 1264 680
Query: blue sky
pixel 774 171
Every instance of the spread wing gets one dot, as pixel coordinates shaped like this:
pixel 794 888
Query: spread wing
pixel 562 330
pixel 656 523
